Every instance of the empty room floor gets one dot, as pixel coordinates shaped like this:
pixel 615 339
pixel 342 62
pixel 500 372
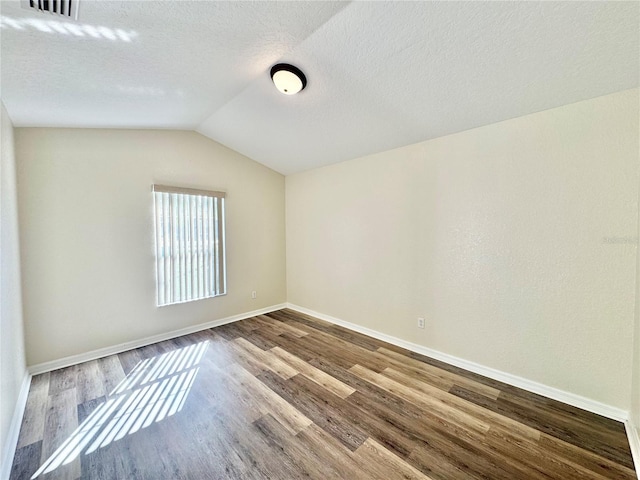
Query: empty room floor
pixel 285 396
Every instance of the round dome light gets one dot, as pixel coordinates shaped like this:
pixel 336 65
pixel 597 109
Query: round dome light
pixel 288 79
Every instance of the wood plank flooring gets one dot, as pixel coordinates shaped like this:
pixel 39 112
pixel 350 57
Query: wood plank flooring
pixel 287 396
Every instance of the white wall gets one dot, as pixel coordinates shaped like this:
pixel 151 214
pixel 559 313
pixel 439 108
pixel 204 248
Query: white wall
pixel 515 240
pixel 86 229
pixel 12 359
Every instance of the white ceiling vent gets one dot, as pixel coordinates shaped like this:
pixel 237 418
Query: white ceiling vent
pixel 63 8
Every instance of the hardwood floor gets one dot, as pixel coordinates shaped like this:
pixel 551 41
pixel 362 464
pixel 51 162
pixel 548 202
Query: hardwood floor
pixel 286 396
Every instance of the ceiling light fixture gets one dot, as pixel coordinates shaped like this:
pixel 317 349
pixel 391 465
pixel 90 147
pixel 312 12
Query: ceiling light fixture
pixel 288 79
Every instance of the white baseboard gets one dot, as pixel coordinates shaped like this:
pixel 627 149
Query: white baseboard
pixel 14 429
pixel 123 347
pixel 634 444
pixel 531 386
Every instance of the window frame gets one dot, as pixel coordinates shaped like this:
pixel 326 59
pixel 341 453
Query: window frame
pixel 190 244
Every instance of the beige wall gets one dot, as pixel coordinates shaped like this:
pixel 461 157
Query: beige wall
pixel 86 229
pixel 635 372
pixel 514 240
pixel 12 360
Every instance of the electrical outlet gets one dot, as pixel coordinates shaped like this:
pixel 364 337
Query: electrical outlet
pixel 254 294
pixel 420 322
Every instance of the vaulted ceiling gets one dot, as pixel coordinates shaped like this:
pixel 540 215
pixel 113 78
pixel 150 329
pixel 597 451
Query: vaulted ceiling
pixel 380 74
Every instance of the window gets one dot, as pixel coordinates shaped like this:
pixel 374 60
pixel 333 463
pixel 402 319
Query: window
pixel 190 258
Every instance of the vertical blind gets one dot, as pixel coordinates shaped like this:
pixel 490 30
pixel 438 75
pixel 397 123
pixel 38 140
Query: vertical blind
pixel 190 253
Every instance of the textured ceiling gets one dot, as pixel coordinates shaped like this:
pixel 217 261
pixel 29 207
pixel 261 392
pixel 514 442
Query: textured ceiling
pixel 381 74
